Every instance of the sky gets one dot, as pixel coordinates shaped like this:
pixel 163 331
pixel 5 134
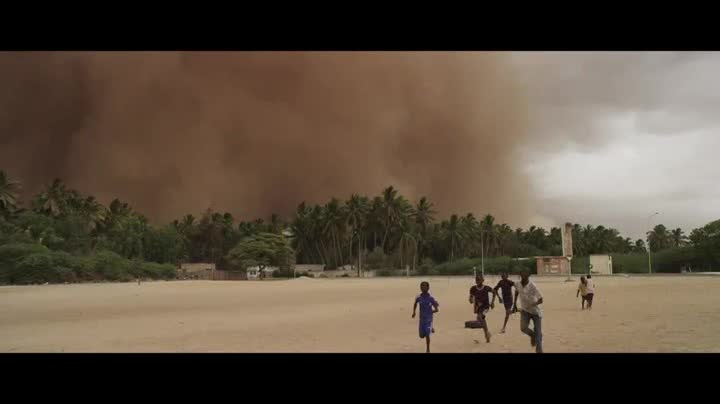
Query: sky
pixel 629 134
pixel 534 138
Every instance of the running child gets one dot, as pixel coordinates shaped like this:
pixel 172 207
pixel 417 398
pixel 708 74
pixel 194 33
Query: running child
pixel 505 285
pixel 582 291
pixel 480 299
pixel 428 307
pixel 590 291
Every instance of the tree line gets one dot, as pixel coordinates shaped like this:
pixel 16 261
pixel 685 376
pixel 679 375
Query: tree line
pixel 384 231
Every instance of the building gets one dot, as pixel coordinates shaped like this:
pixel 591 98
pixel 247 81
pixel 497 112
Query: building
pixel 558 265
pixel 254 272
pixel 553 265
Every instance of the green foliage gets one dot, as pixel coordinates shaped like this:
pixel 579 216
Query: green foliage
pixel 262 250
pixel 376 259
pixel 426 266
pixel 34 263
pixel 154 270
pixel 10 257
pixel 163 245
pixel 706 241
pixel 8 195
pixel 113 267
pixel 384 232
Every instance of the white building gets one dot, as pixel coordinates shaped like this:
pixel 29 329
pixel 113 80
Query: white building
pixel 601 264
pixel 254 272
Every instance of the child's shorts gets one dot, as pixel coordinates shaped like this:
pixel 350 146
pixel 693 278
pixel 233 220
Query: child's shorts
pixel 425 328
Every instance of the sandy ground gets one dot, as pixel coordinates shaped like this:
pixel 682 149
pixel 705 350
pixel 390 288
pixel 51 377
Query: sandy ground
pixel 664 314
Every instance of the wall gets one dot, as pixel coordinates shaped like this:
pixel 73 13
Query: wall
pixel 601 264
pixel 552 266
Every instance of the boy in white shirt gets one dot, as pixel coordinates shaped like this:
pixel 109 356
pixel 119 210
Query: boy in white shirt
pixel 530 301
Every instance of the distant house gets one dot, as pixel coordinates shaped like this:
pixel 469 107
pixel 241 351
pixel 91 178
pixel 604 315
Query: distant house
pixel 254 272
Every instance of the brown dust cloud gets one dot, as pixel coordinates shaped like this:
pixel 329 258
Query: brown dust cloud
pixel 254 133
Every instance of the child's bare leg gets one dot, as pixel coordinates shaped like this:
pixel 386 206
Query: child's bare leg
pixel 487 333
pixel 427 340
pixel 507 317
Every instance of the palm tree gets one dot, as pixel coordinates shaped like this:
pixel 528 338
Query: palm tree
pixel 276 226
pixel 407 239
pixel 53 200
pixel 504 233
pixel 639 246
pixel 454 232
pixel 424 217
pixel 678 237
pixel 357 208
pixel 333 223
pixel 659 238
pixel 95 212
pixel 578 240
pixel 391 207
pixel 488 234
pixel 8 194
pixel 303 228
pixel 471 232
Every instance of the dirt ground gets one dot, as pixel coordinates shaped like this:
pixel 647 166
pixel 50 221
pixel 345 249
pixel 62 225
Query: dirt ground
pixel 637 314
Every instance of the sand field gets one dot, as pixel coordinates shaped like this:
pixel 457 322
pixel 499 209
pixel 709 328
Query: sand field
pixel 630 314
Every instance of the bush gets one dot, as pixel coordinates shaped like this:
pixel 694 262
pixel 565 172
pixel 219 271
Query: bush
pixel 12 254
pixel 47 266
pixel 345 276
pixel 426 266
pixel 112 267
pixel 384 273
pixel 36 268
pixel 376 259
pixel 154 270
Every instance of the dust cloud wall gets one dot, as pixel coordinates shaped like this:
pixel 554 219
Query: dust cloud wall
pixel 254 133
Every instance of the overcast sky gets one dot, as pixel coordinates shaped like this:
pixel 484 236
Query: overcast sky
pixel 628 134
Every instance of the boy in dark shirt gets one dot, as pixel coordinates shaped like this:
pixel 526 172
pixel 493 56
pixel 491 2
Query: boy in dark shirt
pixel 428 307
pixel 480 299
pixel 505 285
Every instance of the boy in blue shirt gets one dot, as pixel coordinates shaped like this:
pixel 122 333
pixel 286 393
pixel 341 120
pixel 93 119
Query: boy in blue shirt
pixel 428 306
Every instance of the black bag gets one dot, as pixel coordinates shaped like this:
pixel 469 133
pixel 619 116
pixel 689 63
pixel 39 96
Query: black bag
pixel 473 324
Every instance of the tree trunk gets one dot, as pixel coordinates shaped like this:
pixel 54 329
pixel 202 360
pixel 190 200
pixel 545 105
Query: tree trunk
pixel 359 254
pixel 325 252
pixel 387 230
pixel 338 250
pixel 350 245
pixel 452 248
pixel 400 251
pixel 319 253
pixel 415 255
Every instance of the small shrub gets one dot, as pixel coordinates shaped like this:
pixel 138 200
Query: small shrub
pixel 426 266
pixel 154 270
pixel 112 267
pixel 376 259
